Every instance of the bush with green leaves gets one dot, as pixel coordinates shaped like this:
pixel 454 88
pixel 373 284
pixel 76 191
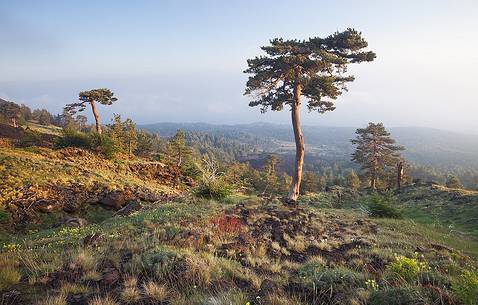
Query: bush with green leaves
pixel 466 287
pixel 73 138
pixel 4 215
pixel 101 143
pixel 382 206
pixel 214 189
pixel 190 169
pixel 104 144
pixel 9 274
pixel 407 268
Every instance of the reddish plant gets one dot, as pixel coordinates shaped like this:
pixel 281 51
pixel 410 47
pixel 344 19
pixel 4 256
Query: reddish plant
pixel 227 224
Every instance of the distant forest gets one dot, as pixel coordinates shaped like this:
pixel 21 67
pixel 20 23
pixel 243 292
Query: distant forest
pixel 433 154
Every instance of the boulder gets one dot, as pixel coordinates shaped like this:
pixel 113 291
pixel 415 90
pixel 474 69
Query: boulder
pixel 75 222
pixel 110 276
pixel 131 207
pixel 47 206
pixel 116 199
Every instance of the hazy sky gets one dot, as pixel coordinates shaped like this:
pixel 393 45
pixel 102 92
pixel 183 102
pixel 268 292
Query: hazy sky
pixel 183 60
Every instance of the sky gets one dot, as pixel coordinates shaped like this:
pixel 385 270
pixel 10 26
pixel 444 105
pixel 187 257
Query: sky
pixel 182 61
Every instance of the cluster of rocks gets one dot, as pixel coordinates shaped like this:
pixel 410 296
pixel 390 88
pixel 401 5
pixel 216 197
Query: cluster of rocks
pixel 297 233
pixel 75 198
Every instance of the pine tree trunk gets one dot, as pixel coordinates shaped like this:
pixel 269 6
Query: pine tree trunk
pixel 97 117
pixel 299 140
pixel 399 175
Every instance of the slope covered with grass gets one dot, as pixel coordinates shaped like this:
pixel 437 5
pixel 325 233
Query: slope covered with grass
pixel 195 251
pixel 37 181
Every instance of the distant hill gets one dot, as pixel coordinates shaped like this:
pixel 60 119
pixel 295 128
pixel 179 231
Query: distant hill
pixel 425 146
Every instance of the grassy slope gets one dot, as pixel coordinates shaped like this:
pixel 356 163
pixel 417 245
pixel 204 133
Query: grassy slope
pixel 455 210
pixel 42 166
pixel 168 240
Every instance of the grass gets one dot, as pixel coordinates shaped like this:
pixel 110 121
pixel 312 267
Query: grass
pixel 158 250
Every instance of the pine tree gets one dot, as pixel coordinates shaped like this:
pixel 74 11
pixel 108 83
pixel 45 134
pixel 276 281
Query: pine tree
pixel 310 183
pixel 314 69
pixel 177 148
pixel 352 180
pixel 11 111
pixel 103 96
pixel 270 175
pixel 376 152
pixel 322 183
pixel 454 182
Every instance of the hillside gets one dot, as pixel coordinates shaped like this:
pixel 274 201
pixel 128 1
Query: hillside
pixel 193 251
pixel 38 180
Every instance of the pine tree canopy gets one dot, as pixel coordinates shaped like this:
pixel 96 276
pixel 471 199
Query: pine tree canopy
pixel 322 65
pixel 103 96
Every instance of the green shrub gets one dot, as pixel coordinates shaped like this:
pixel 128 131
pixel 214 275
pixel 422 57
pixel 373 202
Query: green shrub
pixel 216 189
pixel 382 206
pixel 191 169
pixel 4 215
pixel 406 268
pixel 72 138
pixel 31 138
pixel 104 144
pixel 101 143
pixel 466 287
pixel 160 263
pixel 9 274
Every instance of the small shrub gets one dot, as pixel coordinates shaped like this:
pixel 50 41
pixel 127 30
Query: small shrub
pixel 9 276
pixel 130 295
pixel 217 189
pixel 160 263
pixel 73 288
pixel 72 138
pixel 405 267
pixel 104 144
pixel 382 206
pixel 85 259
pixel 466 287
pixel 4 215
pixel 156 292
pixel 227 224
pixel 30 138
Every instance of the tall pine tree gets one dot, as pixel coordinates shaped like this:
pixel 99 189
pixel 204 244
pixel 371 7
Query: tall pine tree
pixel 376 152
pixel 313 69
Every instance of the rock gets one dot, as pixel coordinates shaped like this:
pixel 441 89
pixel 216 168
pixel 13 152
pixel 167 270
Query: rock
pixel 268 287
pixel 110 276
pixel 189 181
pixel 92 239
pixel 47 206
pixel 77 299
pixel 115 199
pixel 75 222
pixel 131 207
pixel 11 297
